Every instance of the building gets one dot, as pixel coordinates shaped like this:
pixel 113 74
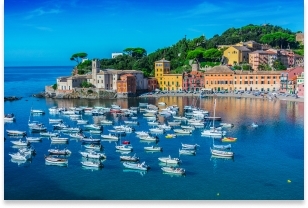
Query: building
pixel 219 78
pixel 288 79
pixel 256 80
pixel 300 85
pixel 113 55
pixel 251 45
pixel 300 37
pixel 70 82
pixel 193 81
pixel 259 57
pixel 236 55
pixel 126 84
pixel 152 84
pixel 167 81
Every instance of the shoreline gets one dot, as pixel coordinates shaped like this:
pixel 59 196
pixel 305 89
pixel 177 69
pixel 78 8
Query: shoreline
pixel 244 95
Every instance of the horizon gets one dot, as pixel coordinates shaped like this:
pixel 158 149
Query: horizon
pixel 38 36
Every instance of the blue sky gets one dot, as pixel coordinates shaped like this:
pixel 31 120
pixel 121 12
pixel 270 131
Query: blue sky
pixel 46 33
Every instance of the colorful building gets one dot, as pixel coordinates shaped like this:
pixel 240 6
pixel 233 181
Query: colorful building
pixel 126 84
pixel 167 81
pixel 259 57
pixel 219 78
pixel 193 81
pixel 288 79
pixel 152 84
pixel 236 55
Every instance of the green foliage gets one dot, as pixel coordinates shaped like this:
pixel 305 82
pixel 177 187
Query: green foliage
pixel 77 56
pixel 90 91
pixel 212 54
pixel 55 86
pixel 211 64
pixel 278 65
pixel 279 39
pixel 135 52
pixel 85 84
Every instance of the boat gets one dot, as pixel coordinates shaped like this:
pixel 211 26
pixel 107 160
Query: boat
pixel 143 104
pixel 174 123
pixel 254 125
pixel 60 126
pixel 38 128
pixel 197 124
pixel 106 122
pixel 55 120
pixel 110 136
pixel 77 135
pixel 20 156
pixel 182 131
pixel 221 153
pixel 126 142
pixel 93 146
pixel 180 118
pixel 131 122
pixel 165 127
pixel 27 150
pixel 92 127
pixel 188 127
pixel 117 131
pixel 129 158
pixel 136 166
pixel 49 134
pixel 149 138
pixel 169 136
pixel 95 131
pixel 222 147
pixel 34 139
pixel 141 133
pixel 152 148
pixel 9 117
pixel 157 131
pixel 55 160
pixel 124 147
pixel 189 146
pixel 229 139
pixel 149 115
pixel 81 121
pixel 169 160
pixel 37 111
pixel 227 125
pixel 21 143
pixel 59 152
pixel 58 140
pixel 126 129
pixel 151 118
pixel 93 164
pixel 153 123
pixel 90 140
pixel 114 106
pixel 15 133
pixel 161 103
pixel 173 170
pixel 93 154
pixel 187 151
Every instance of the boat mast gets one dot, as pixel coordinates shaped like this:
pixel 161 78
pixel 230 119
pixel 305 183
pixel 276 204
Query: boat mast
pixel 214 114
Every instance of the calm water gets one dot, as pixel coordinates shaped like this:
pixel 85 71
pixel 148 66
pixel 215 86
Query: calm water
pixel 265 157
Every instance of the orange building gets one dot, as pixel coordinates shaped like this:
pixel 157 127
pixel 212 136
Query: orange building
pixel 126 84
pixel 152 84
pixel 219 78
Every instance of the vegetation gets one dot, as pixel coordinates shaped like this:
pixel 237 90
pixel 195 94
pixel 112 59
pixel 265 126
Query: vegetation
pixel 55 87
pixel 86 84
pixel 201 49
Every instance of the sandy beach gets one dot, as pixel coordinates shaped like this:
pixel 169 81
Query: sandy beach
pixel 244 95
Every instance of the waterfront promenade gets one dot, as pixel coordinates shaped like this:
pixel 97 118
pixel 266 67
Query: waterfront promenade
pixel 244 95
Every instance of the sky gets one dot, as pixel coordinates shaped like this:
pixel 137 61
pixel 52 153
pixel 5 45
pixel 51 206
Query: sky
pixel 48 32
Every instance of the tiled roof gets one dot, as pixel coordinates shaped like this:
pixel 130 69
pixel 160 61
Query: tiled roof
pixel 241 48
pixel 219 69
pixel 163 60
pixel 258 72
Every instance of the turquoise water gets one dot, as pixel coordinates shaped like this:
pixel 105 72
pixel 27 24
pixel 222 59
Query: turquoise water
pixel 265 157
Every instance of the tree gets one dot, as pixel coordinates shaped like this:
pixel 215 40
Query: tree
pixel 278 65
pixel 77 56
pixel 55 87
pixel 212 54
pixel 86 84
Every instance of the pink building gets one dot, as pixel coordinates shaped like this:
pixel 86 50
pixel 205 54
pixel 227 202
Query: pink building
pixel 300 90
pixel 260 57
pixel 288 79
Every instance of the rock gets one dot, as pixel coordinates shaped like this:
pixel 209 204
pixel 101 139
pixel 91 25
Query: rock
pixel 12 98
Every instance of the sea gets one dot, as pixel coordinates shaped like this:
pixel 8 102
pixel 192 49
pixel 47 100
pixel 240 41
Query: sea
pixel 268 162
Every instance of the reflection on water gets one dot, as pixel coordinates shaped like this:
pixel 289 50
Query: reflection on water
pixel 141 172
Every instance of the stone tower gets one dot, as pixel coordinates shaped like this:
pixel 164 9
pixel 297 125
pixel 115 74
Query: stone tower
pixel 95 70
pixel 195 66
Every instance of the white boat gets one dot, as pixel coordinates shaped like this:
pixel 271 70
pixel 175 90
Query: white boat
pixel 59 152
pixel 110 136
pixel 143 104
pixel 124 147
pixel 93 164
pixel 126 129
pixel 55 120
pixel 92 126
pixel 227 125
pixel 95 131
pixel 174 123
pixel 165 127
pixel 38 128
pixel 151 118
pixel 129 158
pixel 221 153
pixel 9 117
pixel 71 130
pixel 149 138
pixel 173 170
pixel 93 146
pixel 169 160
pixel 58 140
pixel 197 124
pixel 15 133
pixel 81 121
pixel 34 139
pixel 54 110
pixel 90 140
pixel 77 135
pixel 106 122
pixel 93 154
pixel 117 131
pixel 131 122
pixel 136 166
pixel 152 148
pixel 49 134
pixel 254 125
pixel 21 143
pixel 37 111
pixel 27 150
pixel 222 147
pixel 189 146
pixel 153 123
pixel 19 156
pixel 188 127
pixel 157 131
pixel 182 131
pixel 162 103
pixel 114 106
pixel 59 126
pixel 142 133
pixel 187 152
pixel 56 160
pixel 180 118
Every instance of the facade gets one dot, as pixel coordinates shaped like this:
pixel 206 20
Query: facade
pixel 251 45
pixel 193 81
pixel 113 55
pixel 152 84
pixel 257 80
pixel 289 79
pixel 126 84
pixel 300 37
pixel 219 78
pixel 167 81
pixel 236 55
pixel 260 57
pixel 70 82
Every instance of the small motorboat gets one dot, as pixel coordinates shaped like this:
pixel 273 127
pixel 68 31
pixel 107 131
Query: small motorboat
pixel 222 147
pixel 170 136
pixel 254 125
pixel 55 120
pixel 229 139
pixel 187 152
pixel 20 156
pixel 49 134
pixel 95 131
pixel 157 131
pixel 129 158
pixel 34 139
pixel 173 170
pixel 124 147
pixel 169 160
pixel 9 117
pixel 15 133
pixel 152 148
pixel 93 154
pixel 126 142
pixel 77 135
pixel 93 146
pixel 182 131
pixel 92 127
pixel 90 140
pixel 81 121
pixel 106 122
pixel 221 153
pixel 174 123
pixel 55 160
pixel 110 136
pixel 161 103
pixel 37 111
pixel 59 152
pixel 149 138
pixel 227 125
pixel 93 164
pixel 59 139
pixel 136 166
pixel 189 146
pixel 21 143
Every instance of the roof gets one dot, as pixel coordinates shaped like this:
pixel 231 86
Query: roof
pixel 162 60
pixel 241 48
pixel 219 69
pixel 259 72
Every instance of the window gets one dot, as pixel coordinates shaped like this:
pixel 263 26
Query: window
pixel 256 82
pixel 211 82
pixel 268 77
pixel 251 77
pixel 97 81
pixel 234 82
pixel 262 77
pixel 240 77
pixel 268 82
pixel 240 83
pixel 207 82
pixel 245 82
pixel 262 82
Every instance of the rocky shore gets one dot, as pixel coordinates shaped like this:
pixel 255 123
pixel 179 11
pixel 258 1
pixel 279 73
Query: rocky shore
pixel 12 98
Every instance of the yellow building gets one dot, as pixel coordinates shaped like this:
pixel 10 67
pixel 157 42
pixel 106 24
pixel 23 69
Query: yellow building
pixel 167 81
pixel 236 55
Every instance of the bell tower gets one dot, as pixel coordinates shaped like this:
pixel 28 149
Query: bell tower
pixel 95 70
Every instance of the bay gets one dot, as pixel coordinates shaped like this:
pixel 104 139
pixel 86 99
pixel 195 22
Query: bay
pixel 265 157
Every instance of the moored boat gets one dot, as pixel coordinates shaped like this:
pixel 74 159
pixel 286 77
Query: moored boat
pixel 56 160
pixel 59 139
pixel 189 146
pixel 187 151
pixel 93 164
pixel 21 143
pixel 93 154
pixel 9 117
pixel 182 131
pixel 124 147
pixel 93 146
pixel 34 139
pixel 169 136
pixel 15 133
pixel 173 170
pixel 110 136
pixel 129 158
pixel 169 160
pixel 59 152
pixel 229 139
pixel 136 166
pixel 49 134
pixel 20 156
pixel 221 153
pixel 152 148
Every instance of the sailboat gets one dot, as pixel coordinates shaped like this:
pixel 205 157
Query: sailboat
pixel 213 132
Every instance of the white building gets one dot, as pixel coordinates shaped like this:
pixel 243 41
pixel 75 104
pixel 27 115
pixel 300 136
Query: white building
pixel 113 55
